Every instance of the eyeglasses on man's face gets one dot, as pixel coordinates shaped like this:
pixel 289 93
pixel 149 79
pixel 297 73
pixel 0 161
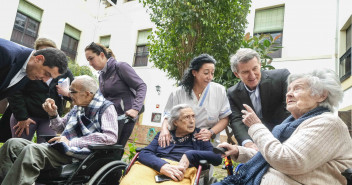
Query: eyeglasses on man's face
pixel 75 92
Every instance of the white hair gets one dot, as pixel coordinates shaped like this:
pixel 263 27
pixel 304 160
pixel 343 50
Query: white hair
pixel 320 82
pixel 243 55
pixel 86 83
pixel 175 114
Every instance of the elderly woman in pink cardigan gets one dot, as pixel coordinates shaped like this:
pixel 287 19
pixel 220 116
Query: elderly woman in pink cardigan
pixel 312 146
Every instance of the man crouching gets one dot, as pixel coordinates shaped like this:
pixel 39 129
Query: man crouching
pixel 91 121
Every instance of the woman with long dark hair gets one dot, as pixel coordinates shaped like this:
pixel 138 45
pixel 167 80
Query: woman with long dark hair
pixel 208 100
pixel 119 83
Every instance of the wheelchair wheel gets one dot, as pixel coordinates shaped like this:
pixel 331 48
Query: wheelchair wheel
pixel 108 174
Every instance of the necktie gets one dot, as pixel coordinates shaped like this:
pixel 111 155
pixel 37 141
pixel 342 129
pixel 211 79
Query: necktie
pixel 256 104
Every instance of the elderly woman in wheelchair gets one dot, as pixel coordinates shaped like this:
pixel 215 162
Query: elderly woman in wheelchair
pixel 177 160
pixel 312 146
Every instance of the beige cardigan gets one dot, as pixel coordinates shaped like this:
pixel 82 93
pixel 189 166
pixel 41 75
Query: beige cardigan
pixel 316 153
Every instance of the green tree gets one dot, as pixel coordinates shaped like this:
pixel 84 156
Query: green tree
pixel 187 28
pixel 264 44
pixel 78 70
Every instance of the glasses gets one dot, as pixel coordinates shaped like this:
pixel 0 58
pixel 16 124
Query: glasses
pixel 188 118
pixel 73 92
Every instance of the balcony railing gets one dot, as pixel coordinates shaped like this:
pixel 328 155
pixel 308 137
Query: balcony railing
pixel 345 65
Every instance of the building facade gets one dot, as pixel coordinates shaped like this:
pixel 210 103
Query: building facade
pixel 314 34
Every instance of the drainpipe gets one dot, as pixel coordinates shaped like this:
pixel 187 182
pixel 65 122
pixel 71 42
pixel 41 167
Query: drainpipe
pixel 97 21
pixel 336 55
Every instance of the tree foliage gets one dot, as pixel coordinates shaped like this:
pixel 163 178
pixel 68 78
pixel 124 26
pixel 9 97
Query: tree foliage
pixel 265 45
pixel 188 28
pixel 78 70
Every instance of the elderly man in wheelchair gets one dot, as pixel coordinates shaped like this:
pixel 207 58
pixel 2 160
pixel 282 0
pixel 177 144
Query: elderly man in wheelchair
pixel 177 161
pixel 91 121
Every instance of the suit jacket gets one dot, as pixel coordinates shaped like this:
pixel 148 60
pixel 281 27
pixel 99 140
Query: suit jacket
pixel 273 88
pixel 28 102
pixel 12 58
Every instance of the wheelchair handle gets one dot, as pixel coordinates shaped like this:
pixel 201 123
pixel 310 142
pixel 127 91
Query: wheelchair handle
pixel 126 118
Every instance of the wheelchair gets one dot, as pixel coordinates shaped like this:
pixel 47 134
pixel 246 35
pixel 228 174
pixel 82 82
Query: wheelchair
pixel 202 177
pixel 102 167
pixel 348 175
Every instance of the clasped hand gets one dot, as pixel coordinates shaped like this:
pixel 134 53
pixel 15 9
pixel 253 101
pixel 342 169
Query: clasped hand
pixel 50 107
pixel 175 172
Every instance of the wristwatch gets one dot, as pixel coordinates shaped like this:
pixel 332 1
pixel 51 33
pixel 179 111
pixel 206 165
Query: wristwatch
pixel 213 135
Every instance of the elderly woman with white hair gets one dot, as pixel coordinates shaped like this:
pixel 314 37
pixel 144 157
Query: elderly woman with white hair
pixel 312 146
pixel 175 160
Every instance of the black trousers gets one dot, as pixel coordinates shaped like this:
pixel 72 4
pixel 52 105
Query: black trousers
pixel 5 130
pixel 125 131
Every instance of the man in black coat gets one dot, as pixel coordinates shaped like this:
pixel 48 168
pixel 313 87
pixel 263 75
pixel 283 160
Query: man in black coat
pixel 19 64
pixel 264 91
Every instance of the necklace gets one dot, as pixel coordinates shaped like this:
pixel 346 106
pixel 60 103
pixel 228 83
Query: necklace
pixel 199 95
pixel 182 139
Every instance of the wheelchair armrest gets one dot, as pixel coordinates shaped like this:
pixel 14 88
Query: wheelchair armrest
pixel 348 174
pixel 139 149
pixel 105 147
pixel 204 164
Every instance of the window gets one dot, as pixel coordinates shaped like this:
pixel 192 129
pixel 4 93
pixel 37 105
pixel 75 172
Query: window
pixel 345 60
pixel 105 40
pixel 70 41
pixel 25 30
pixel 109 3
pixel 270 21
pixel 141 55
pixel 346 117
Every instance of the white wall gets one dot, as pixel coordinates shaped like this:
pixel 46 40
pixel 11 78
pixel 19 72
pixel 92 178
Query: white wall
pixel 123 22
pixel 8 11
pixel 308 33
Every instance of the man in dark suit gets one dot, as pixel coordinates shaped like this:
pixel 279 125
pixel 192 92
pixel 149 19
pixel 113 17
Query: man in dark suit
pixel 19 64
pixel 264 91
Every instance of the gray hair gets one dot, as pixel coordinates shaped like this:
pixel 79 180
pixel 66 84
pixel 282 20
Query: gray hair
pixel 321 81
pixel 243 55
pixel 87 83
pixel 175 114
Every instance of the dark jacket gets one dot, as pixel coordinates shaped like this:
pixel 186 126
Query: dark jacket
pixel 152 154
pixel 28 102
pixel 116 84
pixel 273 88
pixel 12 59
